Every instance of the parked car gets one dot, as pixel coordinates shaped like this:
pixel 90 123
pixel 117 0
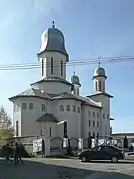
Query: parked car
pixel 104 152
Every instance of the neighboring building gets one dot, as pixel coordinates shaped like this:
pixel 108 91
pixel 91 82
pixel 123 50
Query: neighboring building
pixel 52 99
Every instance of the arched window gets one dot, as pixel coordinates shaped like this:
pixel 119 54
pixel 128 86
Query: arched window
pixel 93 114
pixel 74 109
pixel 43 107
pixel 17 128
pixel 78 109
pixel 99 85
pixel 93 123
pixel 103 86
pixel 42 66
pixel 61 108
pixel 97 135
pixel 96 86
pixel 30 106
pixel 98 124
pixel 50 132
pixel 61 67
pixel 94 135
pixel 51 65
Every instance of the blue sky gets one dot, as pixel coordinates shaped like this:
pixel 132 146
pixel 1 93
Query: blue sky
pixel 92 28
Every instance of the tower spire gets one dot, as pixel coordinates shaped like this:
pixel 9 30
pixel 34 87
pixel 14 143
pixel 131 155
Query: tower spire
pixel 53 26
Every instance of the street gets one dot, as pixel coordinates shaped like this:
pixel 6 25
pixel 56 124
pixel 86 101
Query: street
pixel 40 168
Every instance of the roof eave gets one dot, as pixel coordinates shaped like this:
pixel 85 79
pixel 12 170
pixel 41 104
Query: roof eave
pixel 25 96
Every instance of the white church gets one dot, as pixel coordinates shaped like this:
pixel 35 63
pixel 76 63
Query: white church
pixel 52 100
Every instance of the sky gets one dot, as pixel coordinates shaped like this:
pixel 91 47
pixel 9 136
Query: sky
pixel 92 28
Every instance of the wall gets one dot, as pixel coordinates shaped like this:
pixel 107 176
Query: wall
pixel 52 87
pixel 73 118
pixel 57 57
pixel 88 115
pixel 105 122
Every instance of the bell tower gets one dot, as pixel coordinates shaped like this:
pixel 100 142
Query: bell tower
pixel 52 54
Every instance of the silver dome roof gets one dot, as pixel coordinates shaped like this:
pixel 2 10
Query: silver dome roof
pixel 99 72
pixel 75 79
pixel 53 40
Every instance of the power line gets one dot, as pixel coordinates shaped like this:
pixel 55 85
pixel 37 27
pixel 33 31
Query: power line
pixel 26 66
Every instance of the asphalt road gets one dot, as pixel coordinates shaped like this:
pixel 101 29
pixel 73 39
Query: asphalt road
pixel 66 168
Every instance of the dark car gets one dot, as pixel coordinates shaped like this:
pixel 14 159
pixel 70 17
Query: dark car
pixel 102 153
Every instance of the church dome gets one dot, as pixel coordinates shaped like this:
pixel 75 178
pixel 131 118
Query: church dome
pixel 53 40
pixel 75 79
pixel 99 72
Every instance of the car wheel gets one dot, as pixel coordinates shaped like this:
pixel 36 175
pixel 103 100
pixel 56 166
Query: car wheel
pixel 114 159
pixel 84 159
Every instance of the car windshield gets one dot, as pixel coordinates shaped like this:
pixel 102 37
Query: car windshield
pixel 96 148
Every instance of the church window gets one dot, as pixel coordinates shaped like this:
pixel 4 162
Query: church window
pixel 107 116
pixel 67 107
pixel 89 113
pixel 89 134
pixel 103 115
pixel 89 123
pixel 93 123
pixel 97 123
pixel 93 114
pixel 43 107
pixel 74 109
pixel 94 135
pixel 42 66
pixel 61 108
pixel 78 109
pixel 103 86
pixel 30 106
pixel 51 65
pixel 24 106
pixel 41 133
pixel 50 132
pixel 99 85
pixel 17 128
pixel 96 86
pixel 61 67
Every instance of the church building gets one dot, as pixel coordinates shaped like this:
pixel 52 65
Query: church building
pixel 49 102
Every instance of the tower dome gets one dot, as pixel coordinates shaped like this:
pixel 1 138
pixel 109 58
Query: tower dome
pixel 53 40
pixel 99 72
pixel 75 79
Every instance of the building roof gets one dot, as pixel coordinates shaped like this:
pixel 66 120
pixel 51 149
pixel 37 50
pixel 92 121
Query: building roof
pixel 53 40
pixel 75 80
pixel 48 118
pixel 36 93
pixel 30 93
pixel 99 72
pixel 53 79
pixel 85 100
pixel 100 93
pixel 122 134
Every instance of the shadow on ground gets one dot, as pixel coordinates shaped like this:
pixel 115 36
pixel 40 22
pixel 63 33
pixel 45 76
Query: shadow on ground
pixel 38 170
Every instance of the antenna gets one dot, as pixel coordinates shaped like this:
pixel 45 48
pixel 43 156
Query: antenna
pixel 53 25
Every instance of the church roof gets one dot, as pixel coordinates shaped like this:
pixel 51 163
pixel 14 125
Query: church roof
pixel 47 118
pixel 53 40
pixel 85 100
pixel 30 93
pixel 100 93
pixel 53 79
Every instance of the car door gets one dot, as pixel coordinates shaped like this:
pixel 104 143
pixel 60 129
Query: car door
pixel 106 152
pixel 95 153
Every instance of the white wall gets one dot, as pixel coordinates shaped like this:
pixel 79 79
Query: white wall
pixel 73 118
pixel 52 87
pixel 105 122
pixel 57 57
